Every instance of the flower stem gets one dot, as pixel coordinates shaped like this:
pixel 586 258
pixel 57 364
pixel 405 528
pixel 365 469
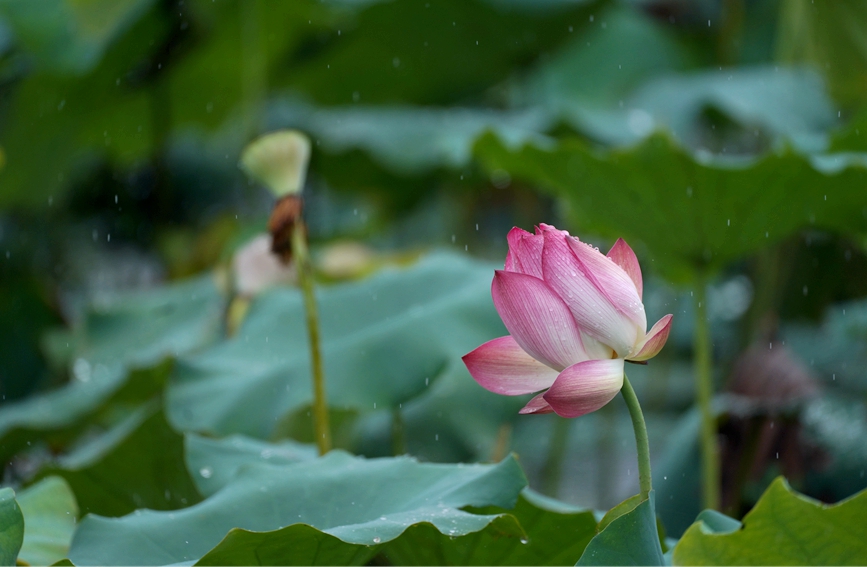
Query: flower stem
pixel 304 268
pixel 644 480
pixel 710 466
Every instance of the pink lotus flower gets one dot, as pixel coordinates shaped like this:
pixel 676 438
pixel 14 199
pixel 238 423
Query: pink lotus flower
pixel 574 316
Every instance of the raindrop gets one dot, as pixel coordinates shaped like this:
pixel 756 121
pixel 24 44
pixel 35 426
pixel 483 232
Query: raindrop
pixel 376 539
pixel 206 472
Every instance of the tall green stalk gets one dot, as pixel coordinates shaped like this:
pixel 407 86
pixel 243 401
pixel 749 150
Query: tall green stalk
pixel 710 466
pixel 301 257
pixel 645 482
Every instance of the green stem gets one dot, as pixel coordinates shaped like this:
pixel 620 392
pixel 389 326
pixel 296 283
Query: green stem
pixel 710 472
pixel 304 268
pixel 645 482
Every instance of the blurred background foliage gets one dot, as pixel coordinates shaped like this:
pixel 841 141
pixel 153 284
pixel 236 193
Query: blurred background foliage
pixel 725 139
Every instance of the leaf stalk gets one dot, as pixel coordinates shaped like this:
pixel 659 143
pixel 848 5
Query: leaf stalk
pixel 710 469
pixel 304 268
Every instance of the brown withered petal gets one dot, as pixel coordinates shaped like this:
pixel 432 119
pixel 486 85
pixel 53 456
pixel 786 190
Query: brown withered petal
pixel 287 211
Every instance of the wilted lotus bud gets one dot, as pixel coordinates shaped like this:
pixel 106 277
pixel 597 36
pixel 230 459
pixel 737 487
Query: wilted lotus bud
pixel 278 161
pixel 284 216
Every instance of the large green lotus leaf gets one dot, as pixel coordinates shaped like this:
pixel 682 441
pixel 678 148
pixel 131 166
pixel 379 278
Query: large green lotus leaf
pixel 142 328
pixel 556 534
pixel 789 103
pixel 137 463
pixel 408 140
pixel 852 138
pixel 49 414
pixel 690 212
pixel 784 528
pixel 214 462
pixel 385 341
pixel 627 74
pixel 357 501
pixel 614 54
pixel 117 333
pixel 50 514
pixel 11 527
pixel 630 539
pixel 67 36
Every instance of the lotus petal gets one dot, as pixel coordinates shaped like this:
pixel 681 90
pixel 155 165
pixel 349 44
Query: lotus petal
pixel 591 305
pixel 537 405
pixel 525 253
pixel 654 341
pixel 622 255
pixel 503 367
pixel 585 387
pixel 538 319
